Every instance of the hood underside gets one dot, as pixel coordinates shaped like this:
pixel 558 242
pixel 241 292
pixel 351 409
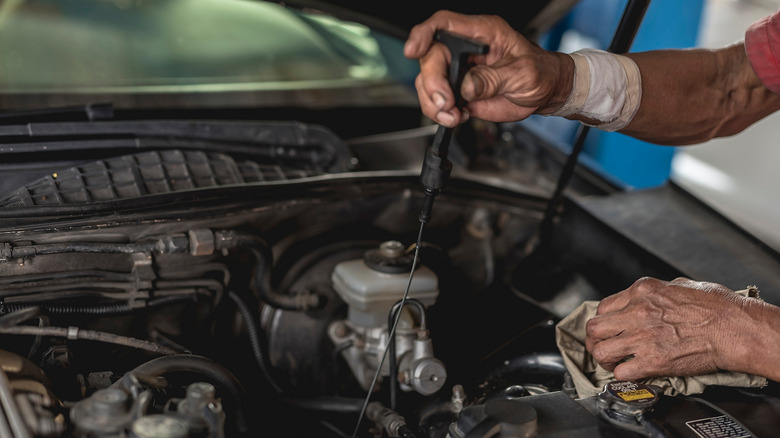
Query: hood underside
pixel 530 17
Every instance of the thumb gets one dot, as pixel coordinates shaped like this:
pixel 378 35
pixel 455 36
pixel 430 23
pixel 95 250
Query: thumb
pixel 480 83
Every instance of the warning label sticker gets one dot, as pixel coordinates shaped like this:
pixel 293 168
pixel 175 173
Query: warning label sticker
pixel 718 427
pixel 635 395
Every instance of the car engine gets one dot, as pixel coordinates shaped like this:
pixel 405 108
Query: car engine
pixel 264 307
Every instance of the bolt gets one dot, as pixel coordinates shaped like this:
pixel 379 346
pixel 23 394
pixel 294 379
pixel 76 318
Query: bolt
pixel 458 393
pixel 109 401
pixel 391 249
pixel 201 391
pixel 340 329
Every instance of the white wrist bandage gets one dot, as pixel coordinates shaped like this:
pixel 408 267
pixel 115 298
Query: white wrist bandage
pixel 606 87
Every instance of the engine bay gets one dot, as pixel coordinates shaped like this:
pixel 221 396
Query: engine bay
pixel 269 316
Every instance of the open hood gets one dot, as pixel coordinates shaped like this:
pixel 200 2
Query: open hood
pixel 531 17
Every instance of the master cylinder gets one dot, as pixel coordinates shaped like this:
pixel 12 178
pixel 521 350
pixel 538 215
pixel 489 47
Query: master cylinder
pixel 371 286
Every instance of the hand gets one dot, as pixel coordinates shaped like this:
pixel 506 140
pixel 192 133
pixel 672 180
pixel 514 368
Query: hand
pixel 515 79
pixel 675 328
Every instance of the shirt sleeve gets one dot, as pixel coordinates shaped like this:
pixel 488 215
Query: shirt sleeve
pixel 762 44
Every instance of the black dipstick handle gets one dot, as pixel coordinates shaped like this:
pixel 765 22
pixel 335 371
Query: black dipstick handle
pixel 436 167
pixel 460 49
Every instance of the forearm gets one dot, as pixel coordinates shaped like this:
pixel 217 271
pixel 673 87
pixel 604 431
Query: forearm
pixel 691 96
pixel 753 344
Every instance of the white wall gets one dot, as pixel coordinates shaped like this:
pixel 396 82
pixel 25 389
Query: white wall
pixel 740 175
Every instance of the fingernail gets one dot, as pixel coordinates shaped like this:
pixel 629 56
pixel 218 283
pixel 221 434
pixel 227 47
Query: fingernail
pixel 439 100
pixel 473 87
pixel 446 119
pixel 409 48
pixel 464 115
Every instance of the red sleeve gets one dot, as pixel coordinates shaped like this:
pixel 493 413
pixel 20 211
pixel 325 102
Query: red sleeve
pixel 762 43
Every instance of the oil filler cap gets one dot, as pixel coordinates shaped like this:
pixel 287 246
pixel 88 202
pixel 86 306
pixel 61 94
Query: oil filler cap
pixel 626 401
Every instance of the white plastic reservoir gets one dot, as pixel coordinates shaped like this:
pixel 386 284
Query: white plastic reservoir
pixel 370 294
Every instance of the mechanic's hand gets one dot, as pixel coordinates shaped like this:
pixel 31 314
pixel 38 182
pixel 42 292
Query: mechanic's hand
pixel 675 328
pixel 514 80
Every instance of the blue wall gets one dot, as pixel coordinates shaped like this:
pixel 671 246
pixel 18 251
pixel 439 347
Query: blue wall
pixel 667 24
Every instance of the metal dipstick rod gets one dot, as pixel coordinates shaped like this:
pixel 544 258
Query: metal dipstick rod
pixel 436 169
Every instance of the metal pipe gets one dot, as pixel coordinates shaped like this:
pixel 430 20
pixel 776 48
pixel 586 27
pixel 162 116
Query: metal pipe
pixel 391 341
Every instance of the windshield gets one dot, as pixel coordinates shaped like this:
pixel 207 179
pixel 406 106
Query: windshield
pixel 68 49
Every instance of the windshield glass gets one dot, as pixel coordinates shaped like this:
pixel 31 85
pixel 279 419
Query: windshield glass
pixel 121 47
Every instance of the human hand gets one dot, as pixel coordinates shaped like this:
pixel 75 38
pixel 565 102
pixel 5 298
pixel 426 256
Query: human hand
pixel 675 328
pixel 515 79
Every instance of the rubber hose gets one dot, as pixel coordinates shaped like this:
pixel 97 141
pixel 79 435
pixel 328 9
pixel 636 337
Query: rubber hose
pixel 254 339
pixel 213 371
pixel 262 275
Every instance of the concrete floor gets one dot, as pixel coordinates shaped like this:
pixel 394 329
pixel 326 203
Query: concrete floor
pixel 738 175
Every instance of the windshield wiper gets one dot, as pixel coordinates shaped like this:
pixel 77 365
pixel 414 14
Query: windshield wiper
pixel 88 112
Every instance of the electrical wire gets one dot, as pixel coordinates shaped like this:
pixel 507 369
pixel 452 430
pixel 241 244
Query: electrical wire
pixel 88 335
pixel 392 331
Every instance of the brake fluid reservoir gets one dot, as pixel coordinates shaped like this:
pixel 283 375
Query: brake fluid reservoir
pixel 370 286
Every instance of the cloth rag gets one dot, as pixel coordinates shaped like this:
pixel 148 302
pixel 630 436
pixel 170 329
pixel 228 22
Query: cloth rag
pixel 589 377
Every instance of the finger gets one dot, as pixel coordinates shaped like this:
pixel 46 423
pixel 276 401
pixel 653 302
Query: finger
pixel 484 82
pixel 498 110
pixel 632 369
pixel 436 97
pixel 429 103
pixel 464 115
pixel 620 300
pixel 480 83
pixel 434 75
pixel 682 281
pixel 612 351
pixel 421 36
pixel 614 303
pixel 600 328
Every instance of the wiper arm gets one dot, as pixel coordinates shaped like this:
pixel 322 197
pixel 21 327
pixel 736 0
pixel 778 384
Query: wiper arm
pixel 88 112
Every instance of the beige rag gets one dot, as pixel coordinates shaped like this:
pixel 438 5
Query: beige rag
pixel 589 377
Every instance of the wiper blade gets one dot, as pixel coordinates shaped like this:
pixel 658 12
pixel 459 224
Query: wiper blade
pixel 88 112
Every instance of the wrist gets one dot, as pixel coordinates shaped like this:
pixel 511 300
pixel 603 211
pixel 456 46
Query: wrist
pixel 561 91
pixel 752 343
pixel 605 90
